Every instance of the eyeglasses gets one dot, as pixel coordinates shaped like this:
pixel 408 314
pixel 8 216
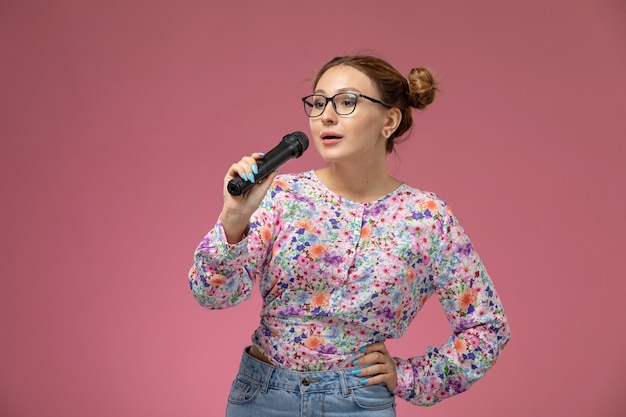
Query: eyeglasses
pixel 343 103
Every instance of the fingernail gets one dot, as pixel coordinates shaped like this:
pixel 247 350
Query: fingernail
pixel 364 348
pixel 261 153
pixel 356 362
pixel 255 169
pixel 244 176
pixel 363 381
pixel 356 372
pixel 251 177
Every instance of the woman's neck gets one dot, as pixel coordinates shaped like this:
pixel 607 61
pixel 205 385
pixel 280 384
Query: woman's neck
pixel 361 184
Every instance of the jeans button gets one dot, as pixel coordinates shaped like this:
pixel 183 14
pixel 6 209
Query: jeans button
pixel 306 382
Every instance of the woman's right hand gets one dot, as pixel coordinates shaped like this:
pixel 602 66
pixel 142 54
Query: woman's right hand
pixel 237 210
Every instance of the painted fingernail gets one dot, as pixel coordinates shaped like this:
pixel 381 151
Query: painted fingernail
pixel 363 381
pixel 356 372
pixel 261 153
pixel 251 177
pixel 255 169
pixel 244 176
pixel 364 348
pixel 356 362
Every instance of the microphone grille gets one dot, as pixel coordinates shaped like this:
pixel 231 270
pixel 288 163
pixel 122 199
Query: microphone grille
pixel 302 140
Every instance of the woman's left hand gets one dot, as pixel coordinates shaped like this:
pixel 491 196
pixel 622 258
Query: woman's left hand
pixel 378 362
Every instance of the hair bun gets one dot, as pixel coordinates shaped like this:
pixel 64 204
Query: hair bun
pixel 421 88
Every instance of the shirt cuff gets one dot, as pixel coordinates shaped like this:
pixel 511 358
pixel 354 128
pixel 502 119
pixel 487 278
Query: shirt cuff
pixel 405 386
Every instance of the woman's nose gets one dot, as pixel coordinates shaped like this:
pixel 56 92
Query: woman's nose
pixel 329 115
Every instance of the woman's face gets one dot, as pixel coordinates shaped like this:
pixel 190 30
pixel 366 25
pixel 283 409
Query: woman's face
pixel 354 137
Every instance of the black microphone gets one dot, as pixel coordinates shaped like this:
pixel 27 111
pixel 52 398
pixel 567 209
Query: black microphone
pixel 292 145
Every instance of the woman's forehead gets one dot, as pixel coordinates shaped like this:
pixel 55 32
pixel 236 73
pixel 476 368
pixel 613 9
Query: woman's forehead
pixel 344 78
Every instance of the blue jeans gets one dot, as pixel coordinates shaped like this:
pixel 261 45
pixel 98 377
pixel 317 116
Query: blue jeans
pixel 263 390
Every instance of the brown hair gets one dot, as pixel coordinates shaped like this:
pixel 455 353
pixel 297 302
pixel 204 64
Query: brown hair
pixel 417 90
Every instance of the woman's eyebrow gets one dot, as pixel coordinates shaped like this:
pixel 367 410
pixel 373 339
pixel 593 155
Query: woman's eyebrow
pixel 341 90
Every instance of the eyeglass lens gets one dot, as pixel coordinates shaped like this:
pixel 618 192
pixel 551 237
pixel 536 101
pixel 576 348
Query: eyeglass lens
pixel 343 103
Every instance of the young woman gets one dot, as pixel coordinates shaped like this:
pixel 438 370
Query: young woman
pixel 345 256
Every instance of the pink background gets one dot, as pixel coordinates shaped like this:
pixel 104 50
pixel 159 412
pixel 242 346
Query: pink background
pixel 118 120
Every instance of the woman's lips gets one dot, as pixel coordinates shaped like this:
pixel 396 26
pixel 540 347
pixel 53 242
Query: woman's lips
pixel 330 136
pixel 330 139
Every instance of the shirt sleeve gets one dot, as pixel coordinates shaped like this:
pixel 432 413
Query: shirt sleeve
pixel 474 310
pixel 218 278
pixel 224 274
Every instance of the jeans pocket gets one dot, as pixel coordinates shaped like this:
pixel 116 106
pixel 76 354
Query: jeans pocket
pixel 373 397
pixel 243 390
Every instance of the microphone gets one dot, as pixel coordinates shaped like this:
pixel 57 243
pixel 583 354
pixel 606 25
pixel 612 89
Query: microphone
pixel 291 146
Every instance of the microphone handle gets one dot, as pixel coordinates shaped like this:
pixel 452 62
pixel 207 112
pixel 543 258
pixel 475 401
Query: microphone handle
pixel 270 161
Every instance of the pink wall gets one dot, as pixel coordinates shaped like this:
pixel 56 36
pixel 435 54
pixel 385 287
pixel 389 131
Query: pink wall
pixel 119 118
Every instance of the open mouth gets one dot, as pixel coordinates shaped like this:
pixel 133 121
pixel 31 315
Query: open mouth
pixel 330 137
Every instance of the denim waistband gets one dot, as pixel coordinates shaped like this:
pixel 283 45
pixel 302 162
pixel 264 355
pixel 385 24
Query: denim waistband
pixel 270 376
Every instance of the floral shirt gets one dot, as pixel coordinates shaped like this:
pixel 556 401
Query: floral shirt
pixel 336 275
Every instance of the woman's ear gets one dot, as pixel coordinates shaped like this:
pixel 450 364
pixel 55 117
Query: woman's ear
pixel 394 117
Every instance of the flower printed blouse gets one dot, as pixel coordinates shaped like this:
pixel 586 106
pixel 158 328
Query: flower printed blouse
pixel 336 275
